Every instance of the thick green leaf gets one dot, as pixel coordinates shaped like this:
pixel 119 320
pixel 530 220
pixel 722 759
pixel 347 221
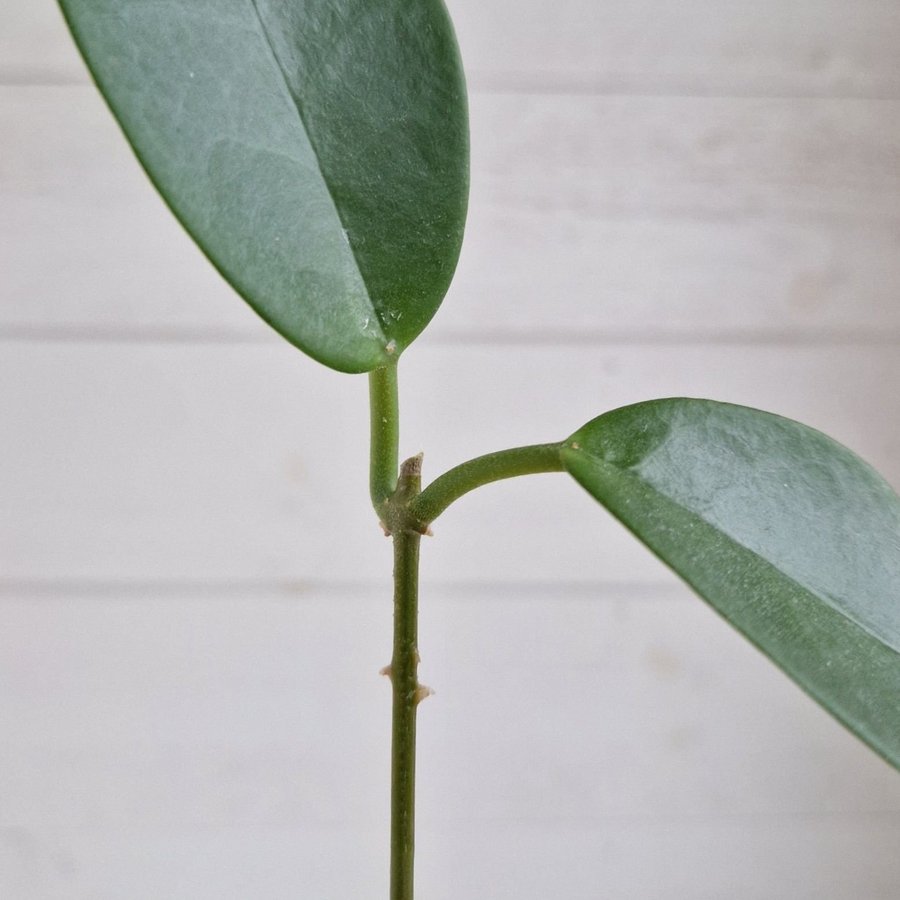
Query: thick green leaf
pixel 317 151
pixel 789 535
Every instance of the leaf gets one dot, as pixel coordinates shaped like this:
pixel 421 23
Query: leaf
pixel 789 535
pixel 316 150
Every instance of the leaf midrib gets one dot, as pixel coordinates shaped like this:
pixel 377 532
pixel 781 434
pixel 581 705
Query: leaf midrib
pixel 295 100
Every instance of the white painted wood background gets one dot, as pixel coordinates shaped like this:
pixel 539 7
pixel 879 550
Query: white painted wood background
pixel 698 198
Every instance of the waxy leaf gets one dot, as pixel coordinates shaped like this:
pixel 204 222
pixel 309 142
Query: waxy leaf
pixel 316 150
pixel 789 535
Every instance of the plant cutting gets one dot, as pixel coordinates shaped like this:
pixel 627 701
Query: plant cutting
pixel 317 152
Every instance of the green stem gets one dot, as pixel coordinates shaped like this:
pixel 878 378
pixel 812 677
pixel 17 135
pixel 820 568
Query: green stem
pixel 407 691
pixel 405 513
pixel 450 486
pixel 385 431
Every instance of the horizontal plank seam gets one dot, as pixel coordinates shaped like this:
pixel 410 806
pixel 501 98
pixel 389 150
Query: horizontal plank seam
pixel 330 824
pixel 492 85
pixel 11 589
pixel 150 335
pixel 888 816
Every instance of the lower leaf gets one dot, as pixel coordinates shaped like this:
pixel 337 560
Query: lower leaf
pixel 789 535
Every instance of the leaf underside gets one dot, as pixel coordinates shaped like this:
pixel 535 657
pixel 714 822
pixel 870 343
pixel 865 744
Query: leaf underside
pixel 316 150
pixel 787 534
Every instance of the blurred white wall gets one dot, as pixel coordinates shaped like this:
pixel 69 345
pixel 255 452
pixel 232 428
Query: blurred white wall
pixel 695 199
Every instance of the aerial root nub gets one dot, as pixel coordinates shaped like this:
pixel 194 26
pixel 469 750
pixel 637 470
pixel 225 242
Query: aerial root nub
pixel 422 691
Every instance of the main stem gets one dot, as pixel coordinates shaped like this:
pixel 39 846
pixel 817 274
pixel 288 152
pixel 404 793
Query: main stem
pixel 407 694
pixel 391 495
pixel 405 511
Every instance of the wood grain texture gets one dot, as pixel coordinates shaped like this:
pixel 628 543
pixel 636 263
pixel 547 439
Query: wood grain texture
pixel 35 46
pixel 595 218
pixel 698 199
pixel 227 463
pixel 188 744
pixel 806 47
pixel 703 47
pixel 827 859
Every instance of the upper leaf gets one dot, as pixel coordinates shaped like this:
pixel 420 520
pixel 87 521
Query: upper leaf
pixel 316 150
pixel 789 535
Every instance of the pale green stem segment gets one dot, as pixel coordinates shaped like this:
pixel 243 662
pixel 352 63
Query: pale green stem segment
pixel 408 692
pixel 450 486
pixel 385 435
